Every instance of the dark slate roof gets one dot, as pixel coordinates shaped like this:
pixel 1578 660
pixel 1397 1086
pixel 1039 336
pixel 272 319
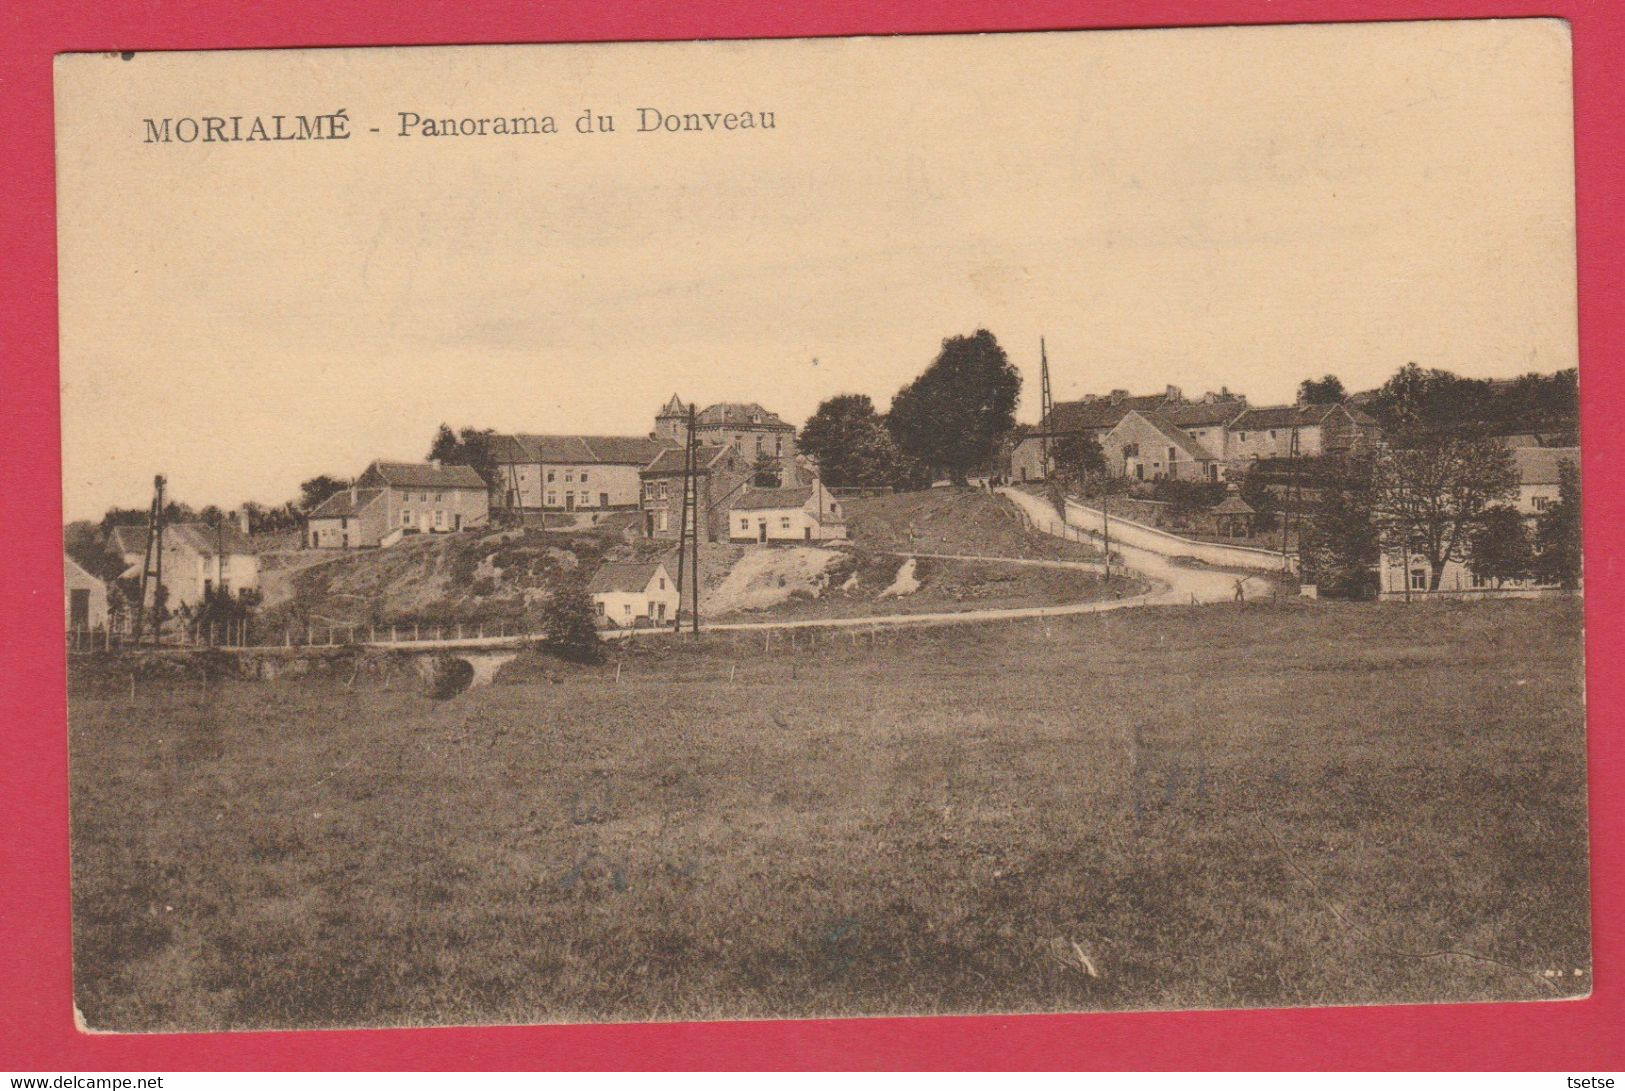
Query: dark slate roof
pixel 423 475
pixel 623 576
pixel 759 499
pixel 580 450
pixel 1081 416
pixel 201 538
pixel 1538 465
pixel 342 504
pixel 1281 416
pixel 741 415
pixel 670 461
pixel 1173 435
pixel 1203 414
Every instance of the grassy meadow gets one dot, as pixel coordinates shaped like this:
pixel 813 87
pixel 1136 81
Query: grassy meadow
pixel 1186 807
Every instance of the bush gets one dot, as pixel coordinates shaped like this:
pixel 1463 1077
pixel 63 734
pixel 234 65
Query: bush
pixel 571 623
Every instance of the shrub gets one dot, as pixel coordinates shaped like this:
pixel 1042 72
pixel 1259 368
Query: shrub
pixel 571 624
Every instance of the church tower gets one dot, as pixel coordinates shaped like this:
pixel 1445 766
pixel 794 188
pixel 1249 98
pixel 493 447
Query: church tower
pixel 671 423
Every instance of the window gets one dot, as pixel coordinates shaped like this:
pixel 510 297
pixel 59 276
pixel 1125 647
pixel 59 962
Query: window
pixel 439 497
pixel 1171 459
pixel 1272 433
pixel 1480 581
pixel 568 476
pixel 627 609
pixel 344 523
pixel 744 524
pixel 406 518
pixel 439 519
pixel 662 520
pixel 583 477
pixel 648 490
pixel 662 490
pixel 1419 579
pixel 1542 503
pixel 550 475
pixel 662 582
pixel 552 499
pixel 423 498
pixel 1244 437
pixel 784 522
pixel 600 607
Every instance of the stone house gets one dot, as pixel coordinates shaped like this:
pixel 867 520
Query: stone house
pixel 722 474
pixel 421 498
pixel 541 473
pixel 800 514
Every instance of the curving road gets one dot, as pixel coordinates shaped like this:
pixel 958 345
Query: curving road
pixel 1181 585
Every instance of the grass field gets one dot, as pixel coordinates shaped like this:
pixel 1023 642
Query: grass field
pixel 1208 807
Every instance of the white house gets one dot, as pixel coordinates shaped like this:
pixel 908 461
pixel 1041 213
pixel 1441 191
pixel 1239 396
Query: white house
pixel 197 558
pixel 628 595
pixel 1538 478
pixel 807 513
pixel 85 605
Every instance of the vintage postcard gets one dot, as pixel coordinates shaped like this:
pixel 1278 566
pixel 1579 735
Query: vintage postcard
pixel 1042 522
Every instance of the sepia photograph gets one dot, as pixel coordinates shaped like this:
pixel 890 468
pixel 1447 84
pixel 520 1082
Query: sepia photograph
pixel 1073 521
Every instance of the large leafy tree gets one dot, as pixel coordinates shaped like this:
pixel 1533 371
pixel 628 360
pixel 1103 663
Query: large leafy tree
pixel 1428 498
pixel 466 447
pixel 313 491
pixel 1338 544
pixel 1557 532
pixel 851 443
pixel 952 417
pixel 1499 547
pixel 1326 389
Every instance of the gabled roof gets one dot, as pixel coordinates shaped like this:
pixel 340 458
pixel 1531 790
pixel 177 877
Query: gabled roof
pixel 423 475
pixel 1538 465
pixel 741 415
pixel 74 573
pixel 1083 416
pixel 601 450
pixel 1173 435
pixel 673 408
pixel 1282 416
pixel 343 505
pixel 670 461
pixel 1204 414
pixel 201 538
pixel 623 576
pixel 761 499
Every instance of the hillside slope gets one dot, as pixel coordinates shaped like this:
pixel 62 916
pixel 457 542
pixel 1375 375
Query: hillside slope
pixel 968 522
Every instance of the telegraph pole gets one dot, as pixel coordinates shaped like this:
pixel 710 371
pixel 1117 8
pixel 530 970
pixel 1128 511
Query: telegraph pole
pixel 1046 408
pixel 152 564
pixel 688 534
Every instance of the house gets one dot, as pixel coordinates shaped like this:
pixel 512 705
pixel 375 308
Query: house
pixel 1202 421
pixel 633 594
pixel 1267 432
pixel 85 598
pixel 803 513
pixel 416 498
pixel 1539 474
pixel 349 519
pixel 744 426
pixel 197 559
pixel 571 473
pixel 722 473
pixel 1147 446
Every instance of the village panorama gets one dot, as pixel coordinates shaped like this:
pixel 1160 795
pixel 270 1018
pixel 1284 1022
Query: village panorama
pixel 969 700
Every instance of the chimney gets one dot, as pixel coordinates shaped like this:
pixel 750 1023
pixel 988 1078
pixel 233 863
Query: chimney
pixel 1173 394
pixel 352 492
pixel 242 522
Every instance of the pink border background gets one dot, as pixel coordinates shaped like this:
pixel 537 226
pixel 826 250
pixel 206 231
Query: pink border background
pixel 36 1024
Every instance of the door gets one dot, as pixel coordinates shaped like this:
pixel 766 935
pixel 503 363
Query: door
pixel 761 531
pixel 569 501
pixel 806 533
pixel 603 499
pixel 79 609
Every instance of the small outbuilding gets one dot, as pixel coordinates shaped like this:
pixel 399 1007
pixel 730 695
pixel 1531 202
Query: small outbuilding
pixel 86 598
pixel 1233 518
pixel 633 595
pixel 807 513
